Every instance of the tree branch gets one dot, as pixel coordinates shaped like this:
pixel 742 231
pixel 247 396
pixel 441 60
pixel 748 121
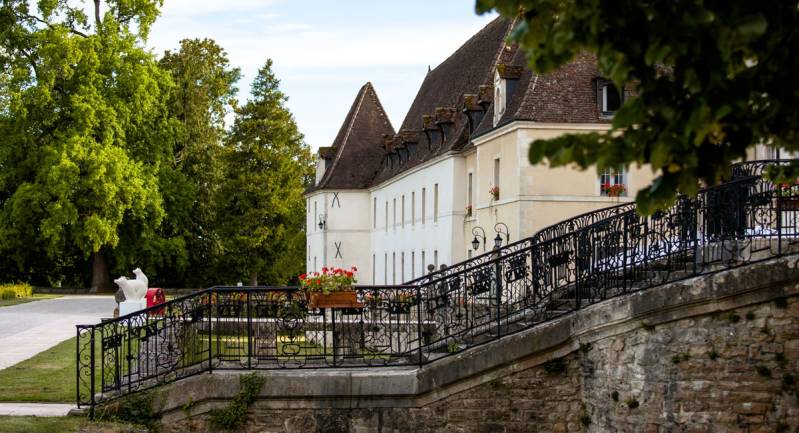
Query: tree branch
pixel 49 25
pixel 97 20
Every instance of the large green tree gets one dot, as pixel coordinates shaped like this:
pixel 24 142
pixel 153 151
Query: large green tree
pixel 712 78
pixel 184 249
pixel 260 202
pixel 83 123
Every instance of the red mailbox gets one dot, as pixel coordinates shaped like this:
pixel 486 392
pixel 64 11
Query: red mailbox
pixel 155 296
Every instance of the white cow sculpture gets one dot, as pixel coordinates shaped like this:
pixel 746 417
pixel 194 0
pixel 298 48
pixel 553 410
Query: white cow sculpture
pixel 134 291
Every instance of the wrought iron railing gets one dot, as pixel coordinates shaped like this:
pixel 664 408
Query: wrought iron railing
pixel 578 262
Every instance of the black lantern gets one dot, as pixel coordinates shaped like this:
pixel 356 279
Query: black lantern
pixel 497 241
pixel 501 229
pixel 478 233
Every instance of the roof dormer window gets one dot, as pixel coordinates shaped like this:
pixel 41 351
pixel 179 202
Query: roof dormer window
pixel 609 98
pixel 500 87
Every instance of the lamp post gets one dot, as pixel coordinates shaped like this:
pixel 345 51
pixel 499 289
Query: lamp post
pixel 322 221
pixel 498 239
pixel 477 236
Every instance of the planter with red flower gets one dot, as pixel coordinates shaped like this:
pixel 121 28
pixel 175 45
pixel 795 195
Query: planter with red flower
pixel 331 288
pixel 494 191
pixel 402 303
pixel 616 190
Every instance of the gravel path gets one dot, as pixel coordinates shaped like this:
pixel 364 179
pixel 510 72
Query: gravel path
pixel 27 329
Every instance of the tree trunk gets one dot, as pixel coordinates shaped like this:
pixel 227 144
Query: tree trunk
pixel 101 280
pixel 97 20
pixel 254 278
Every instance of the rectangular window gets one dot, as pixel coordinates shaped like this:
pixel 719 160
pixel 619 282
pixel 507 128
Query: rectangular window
pixel 435 260
pixel 413 208
pixel 394 212
pixel 386 215
pixel 496 177
pixel 385 268
pixel 435 203
pixel 413 265
pixel 402 212
pixel 469 253
pixel 402 267
pixel 423 263
pixel 469 191
pixel 314 263
pixel 315 217
pixel 393 268
pixel 374 269
pixel 613 183
pixel 424 204
pixel 374 214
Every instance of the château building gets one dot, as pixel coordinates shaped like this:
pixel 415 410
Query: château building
pixel 393 201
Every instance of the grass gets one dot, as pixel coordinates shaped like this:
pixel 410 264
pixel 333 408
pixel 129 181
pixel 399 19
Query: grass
pixel 17 301
pixel 29 424
pixel 47 377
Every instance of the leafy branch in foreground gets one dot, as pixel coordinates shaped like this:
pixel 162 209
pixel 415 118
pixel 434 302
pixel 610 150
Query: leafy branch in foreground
pixel 711 79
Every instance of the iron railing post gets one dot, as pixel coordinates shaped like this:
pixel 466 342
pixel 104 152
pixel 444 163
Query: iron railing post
pixel 498 296
pixel 249 332
pixel 333 327
pixel 577 268
pixel 210 332
pixel 625 230
pixel 695 203
pixel 77 366
pixel 778 189
pixel 419 323
pixel 129 358
pixel 91 370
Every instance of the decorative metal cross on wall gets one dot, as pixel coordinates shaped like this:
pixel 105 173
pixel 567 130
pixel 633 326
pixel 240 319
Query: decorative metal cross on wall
pixel 338 250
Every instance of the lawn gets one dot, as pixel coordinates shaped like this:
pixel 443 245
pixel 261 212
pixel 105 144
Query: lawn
pixel 29 424
pixel 47 377
pixel 17 301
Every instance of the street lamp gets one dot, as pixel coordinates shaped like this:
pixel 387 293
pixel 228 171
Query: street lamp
pixel 322 221
pixel 498 227
pixel 477 236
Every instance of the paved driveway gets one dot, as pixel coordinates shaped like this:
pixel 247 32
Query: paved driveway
pixel 28 329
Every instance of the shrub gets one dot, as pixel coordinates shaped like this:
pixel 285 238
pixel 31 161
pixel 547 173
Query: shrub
pixel 22 290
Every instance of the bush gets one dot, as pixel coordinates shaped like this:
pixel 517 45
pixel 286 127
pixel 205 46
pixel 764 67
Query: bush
pixel 23 290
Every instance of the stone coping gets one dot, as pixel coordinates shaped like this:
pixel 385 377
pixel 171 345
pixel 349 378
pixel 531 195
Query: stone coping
pixel 419 386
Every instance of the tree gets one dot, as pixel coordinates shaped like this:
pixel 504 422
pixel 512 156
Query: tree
pixel 260 202
pixel 84 126
pixel 712 79
pixel 184 248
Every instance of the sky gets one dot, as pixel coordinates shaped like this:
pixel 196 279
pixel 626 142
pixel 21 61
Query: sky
pixel 324 51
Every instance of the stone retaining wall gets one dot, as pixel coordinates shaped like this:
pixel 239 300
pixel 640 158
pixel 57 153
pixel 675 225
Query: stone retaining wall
pixel 718 353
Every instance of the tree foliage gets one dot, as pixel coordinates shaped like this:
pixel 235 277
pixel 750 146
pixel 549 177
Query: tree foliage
pixel 81 121
pixel 112 158
pixel 261 205
pixel 712 79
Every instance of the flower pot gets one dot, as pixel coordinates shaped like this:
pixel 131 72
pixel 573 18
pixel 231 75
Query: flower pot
pixel 343 299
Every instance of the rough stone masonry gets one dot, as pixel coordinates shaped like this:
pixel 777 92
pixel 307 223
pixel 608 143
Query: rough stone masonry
pixel 718 353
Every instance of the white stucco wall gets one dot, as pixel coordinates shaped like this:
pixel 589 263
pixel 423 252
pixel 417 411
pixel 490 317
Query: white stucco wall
pixel 344 240
pixel 416 237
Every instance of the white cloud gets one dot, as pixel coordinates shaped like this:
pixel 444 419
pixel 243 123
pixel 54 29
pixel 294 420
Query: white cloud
pixel 208 7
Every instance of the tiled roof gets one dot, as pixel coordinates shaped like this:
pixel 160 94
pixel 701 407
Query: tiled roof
pixel 356 153
pixel 455 104
pixel 442 94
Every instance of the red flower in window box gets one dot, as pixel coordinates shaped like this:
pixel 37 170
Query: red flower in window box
pixel 616 190
pixel 494 191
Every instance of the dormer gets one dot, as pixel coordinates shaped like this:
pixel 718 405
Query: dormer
pixel 505 79
pixel 608 97
pixel 326 155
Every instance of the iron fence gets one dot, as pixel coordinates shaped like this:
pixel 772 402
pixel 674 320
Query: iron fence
pixel 578 262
